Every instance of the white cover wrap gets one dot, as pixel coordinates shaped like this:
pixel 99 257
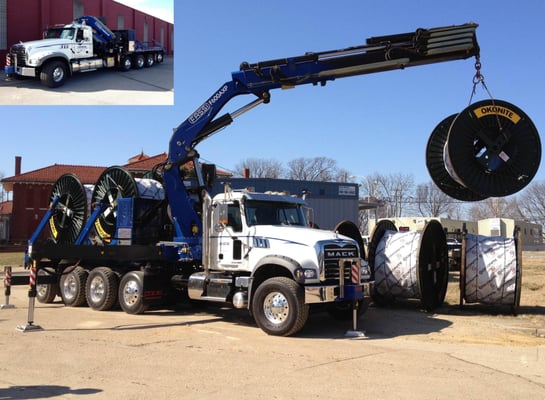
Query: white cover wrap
pixel 396 264
pixel 150 189
pixel 491 270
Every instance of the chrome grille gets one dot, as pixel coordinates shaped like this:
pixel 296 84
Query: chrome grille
pixel 337 258
pixel 19 53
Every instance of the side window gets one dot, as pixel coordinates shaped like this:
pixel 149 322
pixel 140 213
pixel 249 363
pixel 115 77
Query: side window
pixel 233 217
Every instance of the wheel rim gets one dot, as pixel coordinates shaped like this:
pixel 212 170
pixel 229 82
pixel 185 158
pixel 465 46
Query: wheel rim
pixel 97 289
pixel 159 57
pixel 140 62
pixel 70 288
pixel 42 290
pixel 58 74
pixel 276 308
pixel 127 63
pixel 131 293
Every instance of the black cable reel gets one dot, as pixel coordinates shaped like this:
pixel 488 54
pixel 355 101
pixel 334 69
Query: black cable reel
pixel 70 212
pixel 490 149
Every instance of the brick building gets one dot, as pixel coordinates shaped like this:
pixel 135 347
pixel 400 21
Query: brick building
pixel 31 190
pixel 24 20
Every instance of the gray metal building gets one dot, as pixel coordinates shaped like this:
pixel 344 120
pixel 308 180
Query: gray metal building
pixel 331 202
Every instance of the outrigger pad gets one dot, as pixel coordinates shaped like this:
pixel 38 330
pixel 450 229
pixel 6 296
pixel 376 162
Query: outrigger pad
pixel 492 149
pixel 71 210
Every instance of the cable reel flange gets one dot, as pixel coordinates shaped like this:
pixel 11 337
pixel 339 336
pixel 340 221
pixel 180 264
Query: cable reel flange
pixel 114 183
pixel 70 212
pixel 493 148
pixel 435 163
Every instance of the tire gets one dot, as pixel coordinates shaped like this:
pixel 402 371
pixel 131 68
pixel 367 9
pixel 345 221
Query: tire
pixel 54 74
pixel 279 308
pixel 131 293
pixel 150 60
pixel 125 64
pixel 139 62
pixel 72 287
pixel 160 58
pixel 46 293
pixel 101 289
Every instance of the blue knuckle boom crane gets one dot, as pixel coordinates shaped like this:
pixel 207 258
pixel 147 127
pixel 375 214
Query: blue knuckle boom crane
pixel 141 242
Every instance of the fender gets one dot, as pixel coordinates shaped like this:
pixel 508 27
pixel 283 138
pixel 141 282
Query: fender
pixel 49 56
pixel 259 275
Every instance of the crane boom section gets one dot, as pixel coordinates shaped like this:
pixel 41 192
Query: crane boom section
pixel 378 54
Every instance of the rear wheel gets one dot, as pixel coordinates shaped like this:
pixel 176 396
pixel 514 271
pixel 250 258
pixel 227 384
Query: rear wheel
pixel 279 306
pixel 150 60
pixel 54 74
pixel 125 64
pixel 131 293
pixel 139 61
pixel 72 287
pixel 46 293
pixel 101 289
pixel 160 58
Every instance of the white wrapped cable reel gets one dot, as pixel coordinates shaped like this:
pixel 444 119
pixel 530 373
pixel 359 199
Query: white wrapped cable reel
pixel 150 189
pixel 491 272
pixel 409 264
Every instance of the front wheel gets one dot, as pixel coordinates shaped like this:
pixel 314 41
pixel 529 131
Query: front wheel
pixel 131 293
pixel 279 306
pixel 54 74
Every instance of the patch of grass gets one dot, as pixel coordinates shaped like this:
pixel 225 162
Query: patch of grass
pixel 13 259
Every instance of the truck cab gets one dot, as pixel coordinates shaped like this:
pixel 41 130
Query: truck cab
pixel 260 253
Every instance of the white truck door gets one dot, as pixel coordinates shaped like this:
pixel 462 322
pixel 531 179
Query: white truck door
pixel 83 44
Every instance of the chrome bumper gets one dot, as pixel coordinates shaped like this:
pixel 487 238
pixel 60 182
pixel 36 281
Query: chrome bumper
pixel 25 71
pixel 329 293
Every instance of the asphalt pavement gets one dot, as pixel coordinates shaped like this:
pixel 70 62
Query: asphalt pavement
pixel 147 86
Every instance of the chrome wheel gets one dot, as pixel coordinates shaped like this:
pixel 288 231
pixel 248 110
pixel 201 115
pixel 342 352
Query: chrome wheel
pixel 276 308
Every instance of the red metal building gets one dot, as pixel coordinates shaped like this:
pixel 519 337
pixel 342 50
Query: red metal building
pixel 24 20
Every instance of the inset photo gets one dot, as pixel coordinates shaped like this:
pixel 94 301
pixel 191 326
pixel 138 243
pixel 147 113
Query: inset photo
pixel 84 52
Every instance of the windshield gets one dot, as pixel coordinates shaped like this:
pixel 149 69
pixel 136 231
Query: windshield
pixel 60 33
pixel 273 213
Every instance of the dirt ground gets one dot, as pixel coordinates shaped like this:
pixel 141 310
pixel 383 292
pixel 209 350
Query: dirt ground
pixel 473 352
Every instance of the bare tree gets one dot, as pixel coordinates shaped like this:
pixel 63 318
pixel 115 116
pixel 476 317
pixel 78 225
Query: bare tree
pixel 320 169
pixel 396 191
pixel 495 207
pixel 430 201
pixel 531 203
pixel 260 168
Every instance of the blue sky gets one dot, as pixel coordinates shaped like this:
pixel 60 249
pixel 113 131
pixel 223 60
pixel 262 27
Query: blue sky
pixel 371 123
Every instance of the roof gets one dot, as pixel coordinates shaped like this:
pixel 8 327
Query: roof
pixel 49 175
pixel 143 162
pixel 88 175
pixel 6 207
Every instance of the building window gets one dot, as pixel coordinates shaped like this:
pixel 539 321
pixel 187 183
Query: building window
pixel 120 22
pixel 3 25
pixel 162 36
pixel 79 9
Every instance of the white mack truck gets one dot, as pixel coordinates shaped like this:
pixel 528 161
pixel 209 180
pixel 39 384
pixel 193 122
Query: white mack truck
pixel 84 45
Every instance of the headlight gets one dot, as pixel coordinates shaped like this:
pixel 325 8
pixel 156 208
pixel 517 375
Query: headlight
pixel 365 271
pixel 302 274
